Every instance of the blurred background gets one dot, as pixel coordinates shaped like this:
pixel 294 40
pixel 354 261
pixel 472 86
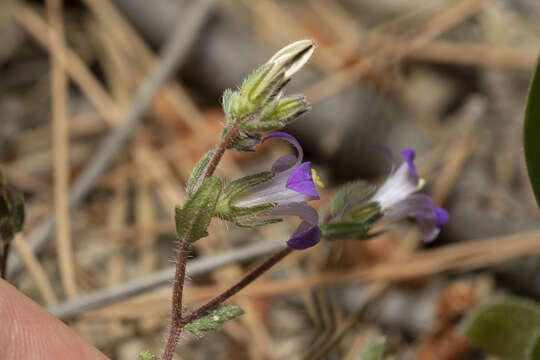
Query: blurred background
pixel 106 105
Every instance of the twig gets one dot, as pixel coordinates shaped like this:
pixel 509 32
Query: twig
pixel 392 53
pixel 475 254
pixel 68 310
pixel 173 55
pixel 61 148
pixel 36 271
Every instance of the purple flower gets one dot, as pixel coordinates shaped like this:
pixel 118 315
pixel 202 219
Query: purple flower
pixel 291 187
pixel 398 199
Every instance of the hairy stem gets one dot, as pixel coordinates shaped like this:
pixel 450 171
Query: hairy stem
pixel 180 274
pixel 176 312
pixel 249 278
pixel 5 254
pixel 222 147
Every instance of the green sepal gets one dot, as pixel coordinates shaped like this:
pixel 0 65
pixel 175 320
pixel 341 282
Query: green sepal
pixel 350 195
pixel 230 105
pixel 147 355
pixel 12 211
pixel 285 109
pixel 225 208
pixel 212 320
pixel 198 171
pixel 262 126
pixel 258 89
pixel 253 224
pixel 354 225
pixel 374 350
pixel 344 230
pixel 245 141
pixel 193 218
pixel 508 329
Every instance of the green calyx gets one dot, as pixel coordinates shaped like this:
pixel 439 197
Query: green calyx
pixel 193 218
pixel 12 213
pixel 243 216
pixel 278 113
pixel 351 214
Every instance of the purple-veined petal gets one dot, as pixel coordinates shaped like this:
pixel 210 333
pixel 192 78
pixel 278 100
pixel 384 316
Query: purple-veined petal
pixel 430 218
pixel 410 206
pixel 300 209
pixel 408 155
pixel 306 236
pixel 397 187
pixel 284 163
pixel 291 139
pixel 390 154
pixel 441 216
pixel 427 226
pixel 308 233
pixel 301 180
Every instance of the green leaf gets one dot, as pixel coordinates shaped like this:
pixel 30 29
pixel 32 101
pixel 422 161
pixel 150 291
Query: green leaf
pixel 147 355
pixel 534 348
pixel 198 171
pixel 374 350
pixel 193 218
pixel 213 319
pixel 531 133
pixel 507 328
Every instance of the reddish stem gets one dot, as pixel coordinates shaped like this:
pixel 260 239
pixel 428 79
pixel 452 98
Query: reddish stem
pixel 249 278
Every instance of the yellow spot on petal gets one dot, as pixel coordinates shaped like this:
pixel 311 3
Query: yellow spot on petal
pixel 316 178
pixel 421 183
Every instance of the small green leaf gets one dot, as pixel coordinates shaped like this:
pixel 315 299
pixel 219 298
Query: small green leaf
pixel 534 348
pixel 531 133
pixel 213 319
pixel 198 171
pixel 374 350
pixel 507 328
pixel 193 218
pixel 147 355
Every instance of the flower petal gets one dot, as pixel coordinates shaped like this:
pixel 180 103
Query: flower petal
pixel 306 236
pixel 308 233
pixel 428 227
pixel 408 155
pixel 441 216
pixel 300 209
pixel 301 180
pixel 282 163
pixel 430 218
